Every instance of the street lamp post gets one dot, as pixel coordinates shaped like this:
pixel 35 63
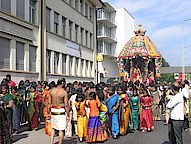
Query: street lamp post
pixel 183 51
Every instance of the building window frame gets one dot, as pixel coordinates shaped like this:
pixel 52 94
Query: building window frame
pixel 86 10
pixel 81 32
pixel 56 22
pixel 70 29
pixel 6 6
pixel 76 33
pixel 32 11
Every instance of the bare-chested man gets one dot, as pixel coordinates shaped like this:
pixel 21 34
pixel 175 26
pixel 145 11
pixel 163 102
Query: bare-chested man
pixel 58 102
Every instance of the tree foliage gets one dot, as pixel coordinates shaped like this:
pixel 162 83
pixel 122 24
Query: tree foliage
pixel 167 77
pixel 165 63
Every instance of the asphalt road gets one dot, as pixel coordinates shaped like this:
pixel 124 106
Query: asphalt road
pixel 158 136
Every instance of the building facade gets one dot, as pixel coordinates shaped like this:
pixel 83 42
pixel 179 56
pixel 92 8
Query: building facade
pixel 114 28
pixel 125 28
pixel 46 39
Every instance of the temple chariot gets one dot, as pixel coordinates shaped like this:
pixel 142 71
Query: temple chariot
pixel 139 59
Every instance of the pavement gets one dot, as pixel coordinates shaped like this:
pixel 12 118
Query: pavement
pixel 158 136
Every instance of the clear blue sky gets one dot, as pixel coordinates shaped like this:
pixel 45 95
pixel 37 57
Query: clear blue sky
pixel 163 20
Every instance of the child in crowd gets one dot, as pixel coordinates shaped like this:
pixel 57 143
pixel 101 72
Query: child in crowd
pixel 81 117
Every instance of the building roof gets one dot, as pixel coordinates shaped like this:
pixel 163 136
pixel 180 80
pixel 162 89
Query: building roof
pixel 139 45
pixel 97 3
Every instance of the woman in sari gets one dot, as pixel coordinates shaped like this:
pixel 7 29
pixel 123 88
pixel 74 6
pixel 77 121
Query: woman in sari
pixel 34 99
pixel 23 94
pixel 95 132
pixel 45 100
pixel 5 137
pixel 124 111
pixel 146 120
pixel 16 109
pixel 8 101
pixel 135 104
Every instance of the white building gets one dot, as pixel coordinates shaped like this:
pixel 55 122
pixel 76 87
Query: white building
pixel 48 39
pixel 114 28
pixel 125 28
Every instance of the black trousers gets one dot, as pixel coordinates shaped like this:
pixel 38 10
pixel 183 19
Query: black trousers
pixel 175 128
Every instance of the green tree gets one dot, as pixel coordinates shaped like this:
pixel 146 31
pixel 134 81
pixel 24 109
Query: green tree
pixel 167 77
pixel 165 63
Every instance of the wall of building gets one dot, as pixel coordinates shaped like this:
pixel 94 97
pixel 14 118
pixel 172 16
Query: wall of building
pixel 110 66
pixel 70 54
pixel 125 28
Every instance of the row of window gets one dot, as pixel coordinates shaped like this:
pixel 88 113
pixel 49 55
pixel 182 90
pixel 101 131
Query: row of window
pixel 20 8
pixel 5 55
pixel 83 7
pixel 72 29
pixel 104 14
pixel 72 64
pixel 6 59
pixel 104 30
pixel 104 47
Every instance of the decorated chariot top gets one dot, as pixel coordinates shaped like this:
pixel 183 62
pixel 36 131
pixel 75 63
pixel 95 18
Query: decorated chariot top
pixel 139 45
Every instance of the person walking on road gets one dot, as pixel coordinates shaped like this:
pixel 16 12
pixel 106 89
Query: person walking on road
pixel 58 101
pixel 175 126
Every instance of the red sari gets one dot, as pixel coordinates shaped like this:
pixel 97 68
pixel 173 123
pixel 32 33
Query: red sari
pixel 146 118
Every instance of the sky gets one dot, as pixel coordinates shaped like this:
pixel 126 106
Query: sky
pixel 164 22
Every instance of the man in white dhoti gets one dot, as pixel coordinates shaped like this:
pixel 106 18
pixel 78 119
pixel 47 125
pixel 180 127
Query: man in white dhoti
pixel 58 103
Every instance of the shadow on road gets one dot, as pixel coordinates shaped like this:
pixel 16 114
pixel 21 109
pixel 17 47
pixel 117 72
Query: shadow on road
pixel 20 136
pixel 166 142
pixel 70 141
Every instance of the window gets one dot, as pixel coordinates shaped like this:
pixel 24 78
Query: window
pixel 90 11
pixel 76 33
pixel 64 26
pixel 32 9
pixel 99 29
pixel 82 65
pixel 70 30
pixel 55 22
pixel 48 56
pixel 56 62
pixel 86 10
pixel 6 6
pixel 4 53
pixel 76 66
pixel 87 67
pixel 47 18
pixel 70 65
pixel 63 64
pixel 20 9
pixel 99 13
pixel 91 40
pixel 91 68
pixel 71 2
pixel 32 58
pixel 86 38
pixel 82 30
pixel 19 56
pixel 100 46
pixel 81 6
pixel 76 4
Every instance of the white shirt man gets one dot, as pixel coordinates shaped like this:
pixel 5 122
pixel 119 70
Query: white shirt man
pixel 176 105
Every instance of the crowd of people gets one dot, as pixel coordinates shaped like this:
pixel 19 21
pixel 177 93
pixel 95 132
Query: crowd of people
pixel 92 112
